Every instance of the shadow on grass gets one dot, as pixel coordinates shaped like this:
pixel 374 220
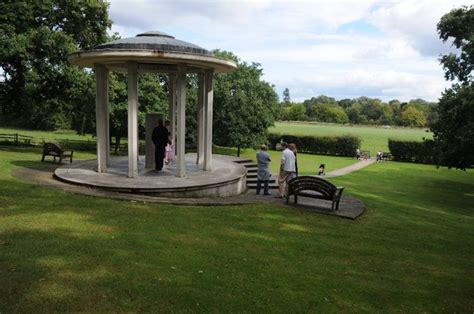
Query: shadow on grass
pixel 46 166
pixel 22 149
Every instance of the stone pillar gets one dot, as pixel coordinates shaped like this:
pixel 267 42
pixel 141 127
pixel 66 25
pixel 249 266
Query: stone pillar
pixel 102 116
pixel 200 119
pixel 107 116
pixel 208 120
pixel 132 120
pixel 172 107
pixel 181 124
pixel 151 122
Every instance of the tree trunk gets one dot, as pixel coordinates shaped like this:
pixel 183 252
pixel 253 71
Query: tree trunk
pixel 117 144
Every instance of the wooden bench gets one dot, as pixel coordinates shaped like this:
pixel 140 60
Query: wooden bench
pixel 365 154
pixel 51 149
pixel 386 156
pixel 314 187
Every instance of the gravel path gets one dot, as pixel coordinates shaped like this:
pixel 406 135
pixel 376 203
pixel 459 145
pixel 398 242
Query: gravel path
pixel 354 167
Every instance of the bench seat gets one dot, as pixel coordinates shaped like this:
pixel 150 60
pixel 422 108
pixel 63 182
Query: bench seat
pixel 51 149
pixel 314 187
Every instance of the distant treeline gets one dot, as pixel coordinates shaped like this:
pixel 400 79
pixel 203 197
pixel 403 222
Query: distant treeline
pixel 362 110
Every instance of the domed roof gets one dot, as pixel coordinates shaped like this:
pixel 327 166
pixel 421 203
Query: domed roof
pixel 154 51
pixel 156 41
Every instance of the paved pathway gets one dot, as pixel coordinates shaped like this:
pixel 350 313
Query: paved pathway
pixel 354 167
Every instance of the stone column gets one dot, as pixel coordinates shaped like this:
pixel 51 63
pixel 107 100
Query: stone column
pixel 208 120
pixel 181 124
pixel 200 119
pixel 102 116
pixel 172 108
pixel 132 120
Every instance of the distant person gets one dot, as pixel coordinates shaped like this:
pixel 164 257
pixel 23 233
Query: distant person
pixel 358 154
pixel 263 174
pixel 321 170
pixel 160 139
pixel 379 156
pixel 292 147
pixel 287 168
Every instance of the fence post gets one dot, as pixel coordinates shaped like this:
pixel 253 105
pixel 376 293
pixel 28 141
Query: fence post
pixel 16 138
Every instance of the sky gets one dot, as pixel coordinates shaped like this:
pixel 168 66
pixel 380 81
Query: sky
pixel 385 49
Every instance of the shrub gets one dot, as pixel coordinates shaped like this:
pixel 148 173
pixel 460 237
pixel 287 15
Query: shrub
pixel 322 145
pixel 419 152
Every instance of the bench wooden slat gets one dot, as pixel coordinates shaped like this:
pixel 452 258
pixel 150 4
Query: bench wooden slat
pixel 314 187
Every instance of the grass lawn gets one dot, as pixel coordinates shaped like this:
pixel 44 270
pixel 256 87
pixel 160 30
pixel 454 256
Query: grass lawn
pixel 373 138
pixel 410 252
pixel 307 164
pixel 49 136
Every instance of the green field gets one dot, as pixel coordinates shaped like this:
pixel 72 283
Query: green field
pixel 373 138
pixel 49 136
pixel 410 252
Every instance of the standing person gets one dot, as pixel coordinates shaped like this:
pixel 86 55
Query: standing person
pixel 160 139
pixel 358 154
pixel 287 168
pixel 292 147
pixel 263 174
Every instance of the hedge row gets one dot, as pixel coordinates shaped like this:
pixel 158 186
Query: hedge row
pixel 321 145
pixel 419 152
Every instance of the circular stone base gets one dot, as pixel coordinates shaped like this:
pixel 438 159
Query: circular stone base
pixel 226 179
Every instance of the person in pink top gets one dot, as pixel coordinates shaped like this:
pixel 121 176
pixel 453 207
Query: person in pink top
pixel 169 154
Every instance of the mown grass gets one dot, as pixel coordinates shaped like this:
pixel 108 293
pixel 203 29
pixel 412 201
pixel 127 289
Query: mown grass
pixel 49 136
pixel 410 252
pixel 373 138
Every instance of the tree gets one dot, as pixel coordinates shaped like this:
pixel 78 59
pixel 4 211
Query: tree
pixel 297 112
pixel 330 113
pixel 454 129
pixel 40 87
pixel 244 105
pixel 412 116
pixel 321 99
pixel 286 96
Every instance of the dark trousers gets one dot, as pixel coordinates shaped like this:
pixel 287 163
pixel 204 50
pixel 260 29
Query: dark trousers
pixel 159 156
pixel 265 186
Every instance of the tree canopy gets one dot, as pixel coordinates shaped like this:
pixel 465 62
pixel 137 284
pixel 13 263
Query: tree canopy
pixel 454 129
pixel 244 105
pixel 40 89
pixel 362 110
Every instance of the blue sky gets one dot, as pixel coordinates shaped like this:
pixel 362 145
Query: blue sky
pixel 340 48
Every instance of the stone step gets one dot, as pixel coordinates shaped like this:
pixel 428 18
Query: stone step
pixel 254 180
pixel 252 170
pixel 253 186
pixel 250 165
pixel 244 161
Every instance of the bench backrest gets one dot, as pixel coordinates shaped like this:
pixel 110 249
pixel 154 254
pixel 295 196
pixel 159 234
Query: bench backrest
pixel 52 148
pixel 302 183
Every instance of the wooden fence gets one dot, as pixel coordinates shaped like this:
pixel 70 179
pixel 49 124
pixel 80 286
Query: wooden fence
pixel 16 139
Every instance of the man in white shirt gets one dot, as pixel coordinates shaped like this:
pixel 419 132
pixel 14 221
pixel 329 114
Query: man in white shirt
pixel 287 169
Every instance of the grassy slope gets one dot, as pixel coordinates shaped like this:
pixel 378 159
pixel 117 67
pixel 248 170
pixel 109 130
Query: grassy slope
pixel 411 250
pixel 373 138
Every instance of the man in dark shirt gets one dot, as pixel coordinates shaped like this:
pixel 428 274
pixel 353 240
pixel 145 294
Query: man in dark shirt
pixel 160 139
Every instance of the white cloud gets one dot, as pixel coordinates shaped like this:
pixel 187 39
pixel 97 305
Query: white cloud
pixel 300 45
pixel 415 21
